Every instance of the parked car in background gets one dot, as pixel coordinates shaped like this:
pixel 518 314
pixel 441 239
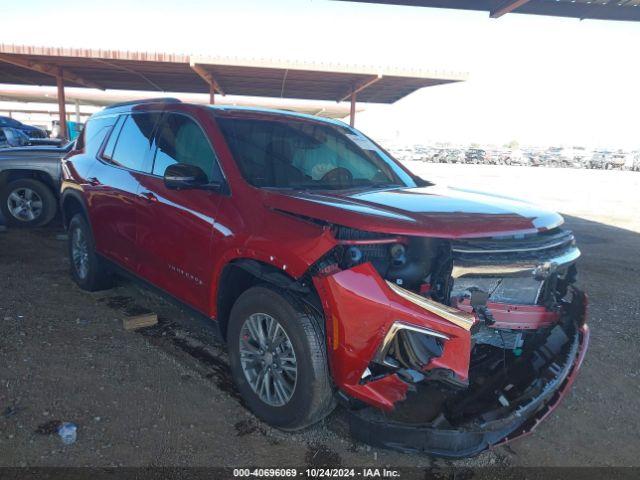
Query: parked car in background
pixel 12 137
pixel 493 157
pixel 28 130
pixel 475 156
pixel 46 142
pixel 598 159
pixel 29 184
pixel 438 155
pixel 515 157
pixel 581 156
pixel 619 160
pixel 560 157
pixel 454 155
pixel 332 271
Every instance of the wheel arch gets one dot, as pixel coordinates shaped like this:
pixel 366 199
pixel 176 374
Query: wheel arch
pixel 72 203
pixel 12 174
pixel 240 274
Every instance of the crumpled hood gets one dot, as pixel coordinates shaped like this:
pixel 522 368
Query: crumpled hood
pixel 436 211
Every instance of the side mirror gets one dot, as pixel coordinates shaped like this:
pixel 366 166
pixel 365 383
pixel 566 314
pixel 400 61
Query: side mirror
pixel 182 176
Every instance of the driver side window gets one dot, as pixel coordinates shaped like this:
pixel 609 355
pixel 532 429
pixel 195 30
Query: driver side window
pixel 181 140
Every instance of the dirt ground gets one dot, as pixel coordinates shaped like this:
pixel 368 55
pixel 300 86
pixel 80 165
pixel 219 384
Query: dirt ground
pixel 164 396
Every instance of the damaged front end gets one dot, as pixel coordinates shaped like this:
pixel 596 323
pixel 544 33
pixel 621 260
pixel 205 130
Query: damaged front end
pixel 458 344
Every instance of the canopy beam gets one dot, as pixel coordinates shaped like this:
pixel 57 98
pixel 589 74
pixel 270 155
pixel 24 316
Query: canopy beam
pixel 47 69
pixel 506 7
pixel 359 87
pixel 206 75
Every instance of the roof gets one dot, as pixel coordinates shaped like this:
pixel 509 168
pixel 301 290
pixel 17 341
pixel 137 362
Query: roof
pixel 221 110
pixel 582 9
pixel 162 72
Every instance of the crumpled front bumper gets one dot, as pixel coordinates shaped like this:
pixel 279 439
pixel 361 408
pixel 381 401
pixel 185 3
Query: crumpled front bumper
pixel 360 309
pixel 462 443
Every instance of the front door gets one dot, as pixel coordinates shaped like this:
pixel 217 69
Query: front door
pixel 175 227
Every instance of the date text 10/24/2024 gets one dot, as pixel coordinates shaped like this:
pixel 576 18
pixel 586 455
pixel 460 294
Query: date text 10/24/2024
pixel 316 473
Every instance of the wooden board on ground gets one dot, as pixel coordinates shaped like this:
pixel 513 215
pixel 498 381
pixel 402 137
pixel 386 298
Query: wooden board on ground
pixel 140 321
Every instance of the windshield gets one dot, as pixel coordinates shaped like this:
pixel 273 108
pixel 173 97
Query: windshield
pixel 298 154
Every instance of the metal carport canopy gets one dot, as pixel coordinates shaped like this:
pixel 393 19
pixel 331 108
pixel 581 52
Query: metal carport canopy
pixel 582 9
pixel 127 70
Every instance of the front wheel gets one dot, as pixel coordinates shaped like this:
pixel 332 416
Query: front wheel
pixel 278 358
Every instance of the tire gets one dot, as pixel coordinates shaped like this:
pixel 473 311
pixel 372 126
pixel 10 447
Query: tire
pixel 39 208
pixel 311 397
pixel 93 276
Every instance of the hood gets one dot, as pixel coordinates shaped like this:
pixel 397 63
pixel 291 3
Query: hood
pixel 29 128
pixel 436 211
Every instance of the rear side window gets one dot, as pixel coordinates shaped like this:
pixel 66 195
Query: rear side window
pixel 111 143
pixel 181 140
pixel 94 133
pixel 134 140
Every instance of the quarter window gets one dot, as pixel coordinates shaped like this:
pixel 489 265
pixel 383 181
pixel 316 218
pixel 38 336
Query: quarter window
pixel 111 143
pixel 94 134
pixel 134 141
pixel 181 140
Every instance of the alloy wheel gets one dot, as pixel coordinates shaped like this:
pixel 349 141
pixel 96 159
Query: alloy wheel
pixel 268 359
pixel 80 253
pixel 24 204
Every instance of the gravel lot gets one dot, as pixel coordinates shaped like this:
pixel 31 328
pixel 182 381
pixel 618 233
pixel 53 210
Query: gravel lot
pixel 164 397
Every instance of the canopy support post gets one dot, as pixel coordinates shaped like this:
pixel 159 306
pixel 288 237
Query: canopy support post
pixel 352 112
pixel 77 111
pixel 62 109
pixel 212 94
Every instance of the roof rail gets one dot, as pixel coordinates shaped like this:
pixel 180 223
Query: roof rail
pixel 145 100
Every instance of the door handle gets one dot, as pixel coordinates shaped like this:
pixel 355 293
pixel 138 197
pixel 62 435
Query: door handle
pixel 149 196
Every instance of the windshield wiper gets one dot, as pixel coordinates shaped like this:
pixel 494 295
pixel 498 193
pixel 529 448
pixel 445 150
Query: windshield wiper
pixel 379 185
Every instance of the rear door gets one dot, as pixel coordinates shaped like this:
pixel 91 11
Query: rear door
pixel 175 227
pixel 114 186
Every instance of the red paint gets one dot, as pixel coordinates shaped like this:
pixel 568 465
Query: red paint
pixel 366 308
pixel 427 211
pixel 383 393
pixel 517 317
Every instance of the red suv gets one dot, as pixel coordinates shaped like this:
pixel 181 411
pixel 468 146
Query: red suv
pixel 445 320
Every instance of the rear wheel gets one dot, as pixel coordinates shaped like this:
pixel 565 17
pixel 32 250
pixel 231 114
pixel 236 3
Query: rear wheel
pixel 87 269
pixel 27 203
pixel 278 358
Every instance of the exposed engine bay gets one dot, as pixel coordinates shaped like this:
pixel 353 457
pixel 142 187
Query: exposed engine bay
pixel 519 314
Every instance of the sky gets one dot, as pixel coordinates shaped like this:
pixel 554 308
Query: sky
pixel 537 80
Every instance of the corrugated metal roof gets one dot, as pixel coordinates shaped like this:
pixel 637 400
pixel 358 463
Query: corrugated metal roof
pixel 582 9
pixel 29 65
